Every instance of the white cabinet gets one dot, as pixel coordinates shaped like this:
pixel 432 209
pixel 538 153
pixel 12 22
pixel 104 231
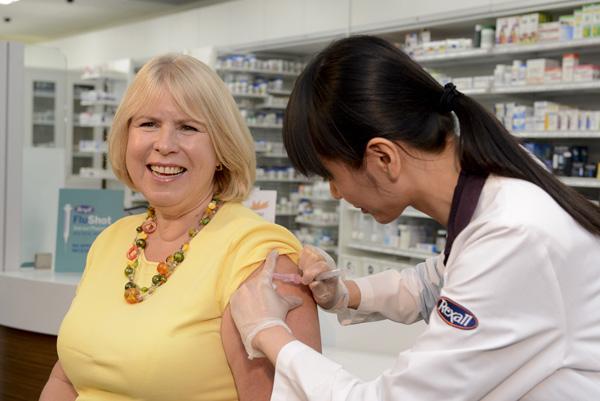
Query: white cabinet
pixel 45 94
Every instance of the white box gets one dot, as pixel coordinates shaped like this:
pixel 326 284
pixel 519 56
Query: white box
pixel 553 75
pixel 464 83
pixel 536 69
pixel 569 62
pixel 573 116
pixel 586 72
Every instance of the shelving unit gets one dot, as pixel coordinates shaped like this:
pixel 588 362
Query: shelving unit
pixel 95 99
pixel 364 253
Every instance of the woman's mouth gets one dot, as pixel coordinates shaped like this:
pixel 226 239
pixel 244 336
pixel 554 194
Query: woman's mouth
pixel 166 171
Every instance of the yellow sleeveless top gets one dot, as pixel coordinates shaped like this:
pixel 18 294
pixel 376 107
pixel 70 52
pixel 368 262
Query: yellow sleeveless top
pixel 169 346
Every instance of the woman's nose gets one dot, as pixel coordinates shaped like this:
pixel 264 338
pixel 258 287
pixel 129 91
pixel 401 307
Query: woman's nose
pixel 166 141
pixel 334 191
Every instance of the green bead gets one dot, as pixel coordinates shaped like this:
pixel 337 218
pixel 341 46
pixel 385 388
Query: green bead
pixel 140 243
pixel 205 221
pixel 138 229
pixel 135 263
pixel 144 289
pixel 129 285
pixel 178 256
pixel 128 271
pixel 157 279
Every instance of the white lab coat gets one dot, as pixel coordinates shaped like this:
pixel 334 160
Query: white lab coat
pixel 531 277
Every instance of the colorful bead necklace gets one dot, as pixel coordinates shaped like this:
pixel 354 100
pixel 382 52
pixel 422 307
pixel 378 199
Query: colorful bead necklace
pixel 133 293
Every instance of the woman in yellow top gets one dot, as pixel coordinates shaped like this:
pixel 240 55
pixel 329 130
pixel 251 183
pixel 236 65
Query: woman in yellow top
pixel 151 320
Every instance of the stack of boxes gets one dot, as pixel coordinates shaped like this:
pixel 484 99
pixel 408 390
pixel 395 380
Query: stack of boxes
pixel 520 29
pixel 537 28
pixel 544 71
pixel 546 116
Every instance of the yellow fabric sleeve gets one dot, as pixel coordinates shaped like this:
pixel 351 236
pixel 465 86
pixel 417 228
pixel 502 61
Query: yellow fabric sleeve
pixel 249 252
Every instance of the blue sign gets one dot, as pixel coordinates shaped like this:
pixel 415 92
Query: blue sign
pixel 82 215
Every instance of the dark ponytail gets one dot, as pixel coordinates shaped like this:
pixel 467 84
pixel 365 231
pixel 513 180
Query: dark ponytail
pixel 363 87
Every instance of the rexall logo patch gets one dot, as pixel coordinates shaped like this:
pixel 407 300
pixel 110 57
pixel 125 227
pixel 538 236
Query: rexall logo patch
pixel 456 315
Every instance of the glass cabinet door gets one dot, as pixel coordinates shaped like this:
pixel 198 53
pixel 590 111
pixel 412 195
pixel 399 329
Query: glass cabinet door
pixel 44 113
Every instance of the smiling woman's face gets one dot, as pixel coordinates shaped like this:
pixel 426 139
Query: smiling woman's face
pixel 170 156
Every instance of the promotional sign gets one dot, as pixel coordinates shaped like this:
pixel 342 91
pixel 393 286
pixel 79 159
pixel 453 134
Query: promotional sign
pixel 82 215
pixel 263 203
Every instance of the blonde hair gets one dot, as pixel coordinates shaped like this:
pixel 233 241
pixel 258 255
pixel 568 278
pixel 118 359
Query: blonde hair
pixel 201 94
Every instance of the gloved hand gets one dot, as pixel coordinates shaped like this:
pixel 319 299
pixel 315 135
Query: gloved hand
pixel 331 294
pixel 256 306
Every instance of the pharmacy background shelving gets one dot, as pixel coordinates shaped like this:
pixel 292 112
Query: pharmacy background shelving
pixel 261 94
pixel 93 97
pixel 356 254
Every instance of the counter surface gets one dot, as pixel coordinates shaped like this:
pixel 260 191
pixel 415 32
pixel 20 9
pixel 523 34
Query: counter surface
pixel 36 300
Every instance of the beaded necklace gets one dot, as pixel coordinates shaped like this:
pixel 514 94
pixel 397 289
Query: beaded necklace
pixel 133 293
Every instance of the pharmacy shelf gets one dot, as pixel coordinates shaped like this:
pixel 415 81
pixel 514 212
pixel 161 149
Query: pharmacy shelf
pixel 266 126
pixel 83 154
pixel 113 103
pixel 266 73
pixel 581 182
pixel 111 75
pixel 92 125
pixel 571 88
pixel 44 123
pixel 502 51
pixel 288 180
pixel 319 224
pixel 267 106
pixel 408 253
pixel 269 155
pixel 249 96
pixel 319 199
pixel 45 95
pixel 279 93
pixel 285 214
pixel 559 87
pixel 97 174
pixel 92 151
pixel 558 134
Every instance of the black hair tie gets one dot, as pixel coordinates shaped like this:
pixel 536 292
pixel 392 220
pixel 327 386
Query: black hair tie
pixel 448 97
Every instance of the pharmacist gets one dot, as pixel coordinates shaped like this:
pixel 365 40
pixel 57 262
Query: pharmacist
pixel 511 304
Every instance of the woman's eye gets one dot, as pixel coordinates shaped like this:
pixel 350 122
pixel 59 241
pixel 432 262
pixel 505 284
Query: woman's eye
pixel 188 128
pixel 148 124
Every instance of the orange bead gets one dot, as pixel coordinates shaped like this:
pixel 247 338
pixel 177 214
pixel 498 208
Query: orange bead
pixel 131 296
pixel 162 268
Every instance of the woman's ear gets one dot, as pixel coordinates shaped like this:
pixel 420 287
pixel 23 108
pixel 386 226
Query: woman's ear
pixel 383 159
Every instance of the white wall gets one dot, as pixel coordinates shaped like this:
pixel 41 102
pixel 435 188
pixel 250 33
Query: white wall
pixel 231 23
pixel 242 23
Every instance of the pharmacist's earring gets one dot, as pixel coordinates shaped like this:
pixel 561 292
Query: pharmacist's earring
pixel 219 167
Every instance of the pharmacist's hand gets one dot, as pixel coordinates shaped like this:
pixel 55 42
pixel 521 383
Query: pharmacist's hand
pixel 331 294
pixel 256 306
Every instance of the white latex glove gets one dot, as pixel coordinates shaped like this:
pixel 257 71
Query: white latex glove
pixel 331 294
pixel 256 306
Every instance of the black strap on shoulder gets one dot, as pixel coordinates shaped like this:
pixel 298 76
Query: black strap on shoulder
pixel 464 201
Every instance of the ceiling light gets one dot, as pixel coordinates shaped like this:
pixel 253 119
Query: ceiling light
pixel 5 2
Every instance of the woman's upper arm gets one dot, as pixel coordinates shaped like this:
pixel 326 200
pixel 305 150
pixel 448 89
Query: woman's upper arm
pixel 254 378
pixel 59 386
